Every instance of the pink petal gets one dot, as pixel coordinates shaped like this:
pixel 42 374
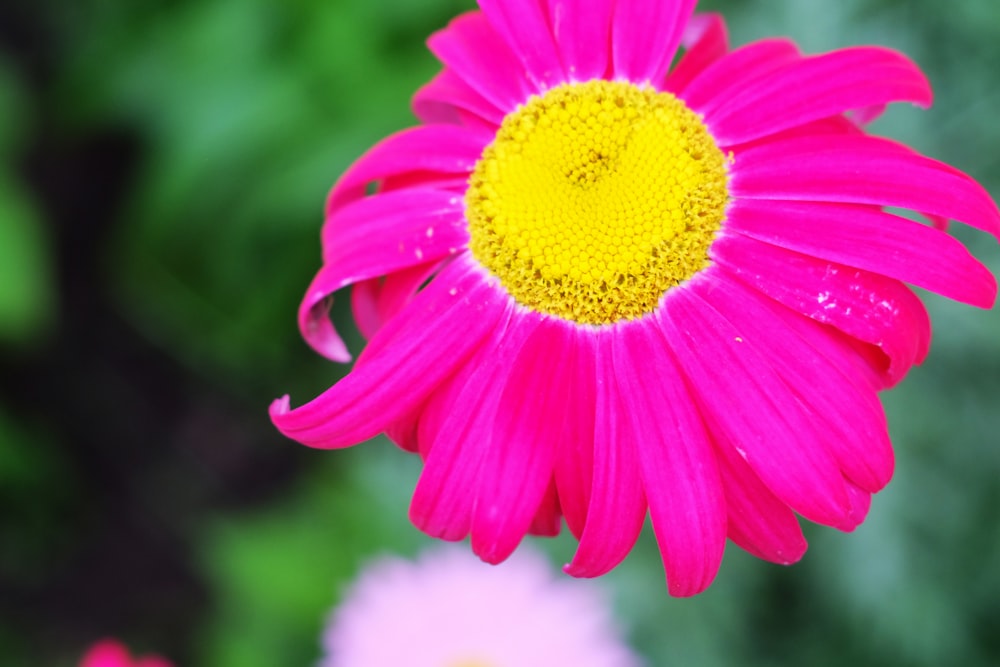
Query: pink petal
pixel 395 230
pixel 706 41
pixel 841 124
pixel 679 471
pixel 521 454
pixel 574 466
pixel 314 316
pixel 837 125
pixel 399 288
pixel 377 300
pixel 867 306
pixel 111 653
pixel 548 518
pixel 865 364
pixel 430 338
pixel 868 115
pixel 645 36
pixel 524 27
pixel 861 502
pixel 460 420
pixel 583 37
pixel 372 237
pixel 107 653
pixel 439 407
pixel 428 149
pixel 454 183
pixel 472 49
pixel 759 522
pixel 403 432
pixel 445 495
pixel 617 503
pixel 364 307
pixel 446 96
pixel 705 27
pixel 869 239
pixel 815 88
pixel 737 70
pixel 864 170
pixel 848 416
pixel 745 400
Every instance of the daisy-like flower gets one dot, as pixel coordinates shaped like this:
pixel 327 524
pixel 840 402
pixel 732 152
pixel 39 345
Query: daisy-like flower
pixel 595 285
pixel 448 609
pixel 112 653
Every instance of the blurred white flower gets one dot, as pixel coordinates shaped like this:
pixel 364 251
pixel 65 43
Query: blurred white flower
pixel 449 609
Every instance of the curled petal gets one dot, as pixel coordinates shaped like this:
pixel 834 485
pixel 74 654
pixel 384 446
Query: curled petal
pixel 373 237
pixel 314 316
pixel 389 381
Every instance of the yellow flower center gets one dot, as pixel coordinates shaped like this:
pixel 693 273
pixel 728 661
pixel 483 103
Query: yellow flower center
pixel 596 198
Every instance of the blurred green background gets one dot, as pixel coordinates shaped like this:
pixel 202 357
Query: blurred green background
pixel 163 167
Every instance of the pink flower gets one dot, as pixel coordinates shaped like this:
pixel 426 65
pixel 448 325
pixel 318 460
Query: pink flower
pixel 448 609
pixel 112 653
pixel 595 286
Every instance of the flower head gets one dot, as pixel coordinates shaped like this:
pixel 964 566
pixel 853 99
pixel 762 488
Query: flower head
pixel 448 609
pixel 596 286
pixel 112 653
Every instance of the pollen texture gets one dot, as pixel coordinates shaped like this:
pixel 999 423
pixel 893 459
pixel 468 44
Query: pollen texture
pixel 595 199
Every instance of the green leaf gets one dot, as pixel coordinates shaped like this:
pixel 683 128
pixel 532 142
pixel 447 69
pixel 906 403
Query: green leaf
pixel 26 295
